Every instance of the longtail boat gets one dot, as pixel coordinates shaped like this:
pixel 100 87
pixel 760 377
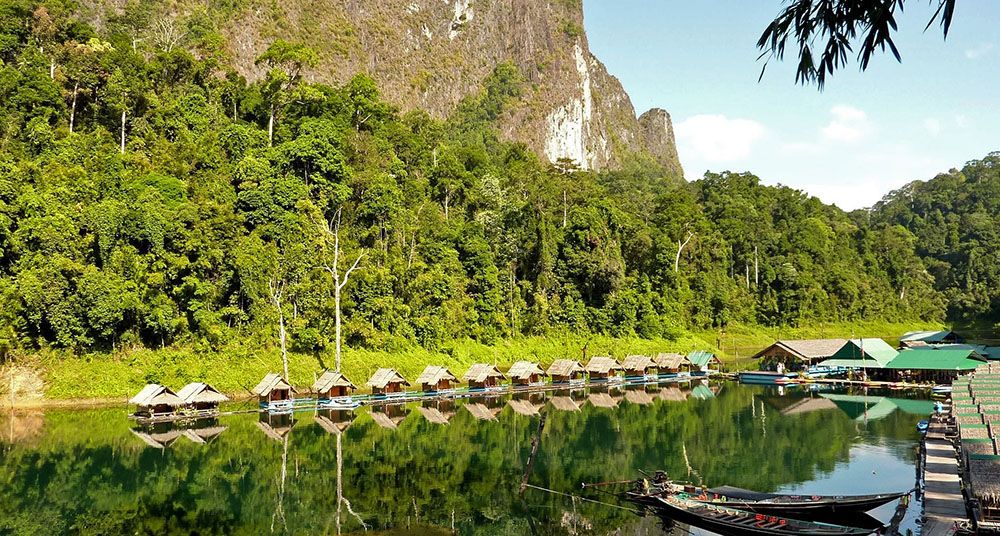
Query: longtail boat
pixel 799 506
pixel 732 522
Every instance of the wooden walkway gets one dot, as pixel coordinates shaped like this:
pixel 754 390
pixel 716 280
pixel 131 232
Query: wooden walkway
pixel 943 501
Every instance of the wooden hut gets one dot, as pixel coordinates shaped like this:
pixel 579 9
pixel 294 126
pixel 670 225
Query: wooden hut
pixel 668 364
pixel 700 362
pixel 387 381
pixel 201 397
pixel 984 476
pixel 673 394
pixel 639 366
pixel 273 388
pixel 566 371
pixel 155 400
pixel 603 368
pixel 526 373
pixel 334 421
pixel 332 385
pixel 435 378
pixel 483 376
pixel 798 354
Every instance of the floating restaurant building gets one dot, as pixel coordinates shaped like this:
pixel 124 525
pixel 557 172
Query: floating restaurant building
pixel 332 385
pixel 273 388
pixel 639 366
pixel 566 371
pixel 201 396
pixel 798 354
pixel 435 378
pixel 604 368
pixel 938 366
pixel 669 363
pixel 526 373
pixel 155 400
pixel 387 381
pixel 862 354
pixel 702 361
pixel 483 376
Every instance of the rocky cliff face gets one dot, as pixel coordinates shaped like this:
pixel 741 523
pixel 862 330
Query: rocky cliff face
pixel 430 54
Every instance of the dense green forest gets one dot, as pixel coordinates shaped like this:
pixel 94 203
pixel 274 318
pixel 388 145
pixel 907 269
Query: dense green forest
pixel 150 197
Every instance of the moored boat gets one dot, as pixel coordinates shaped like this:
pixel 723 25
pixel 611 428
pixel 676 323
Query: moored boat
pixel 734 522
pixel 764 377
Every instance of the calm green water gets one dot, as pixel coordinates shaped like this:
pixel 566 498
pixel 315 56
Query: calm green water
pixel 87 472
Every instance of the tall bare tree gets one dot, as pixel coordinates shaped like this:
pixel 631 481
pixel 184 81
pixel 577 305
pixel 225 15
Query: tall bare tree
pixel 276 289
pixel 331 231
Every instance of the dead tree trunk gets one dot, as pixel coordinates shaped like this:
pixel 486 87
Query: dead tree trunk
pixel 72 107
pixel 680 248
pixel 276 288
pixel 333 230
pixel 123 131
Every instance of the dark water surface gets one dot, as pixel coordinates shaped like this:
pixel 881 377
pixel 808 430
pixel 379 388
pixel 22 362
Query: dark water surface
pixel 442 467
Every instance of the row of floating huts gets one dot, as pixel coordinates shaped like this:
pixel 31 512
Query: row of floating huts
pixel 334 390
pixel 976 409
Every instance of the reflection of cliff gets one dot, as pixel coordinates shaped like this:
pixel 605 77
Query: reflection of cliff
pixel 87 470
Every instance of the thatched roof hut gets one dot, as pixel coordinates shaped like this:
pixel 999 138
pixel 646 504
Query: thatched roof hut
pixel 973 431
pixel 201 396
pixel 273 387
pixel 603 367
pixel 564 370
pixel 155 399
pixel 984 475
pixel 669 362
pixel 638 365
pixel 525 373
pixel 332 384
pixel 978 446
pixel 973 418
pixel 387 380
pixel 482 375
pixel 435 378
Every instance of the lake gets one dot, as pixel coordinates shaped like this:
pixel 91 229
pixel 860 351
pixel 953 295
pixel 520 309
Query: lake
pixel 444 467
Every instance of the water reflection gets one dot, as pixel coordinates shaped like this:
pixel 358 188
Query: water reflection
pixel 438 465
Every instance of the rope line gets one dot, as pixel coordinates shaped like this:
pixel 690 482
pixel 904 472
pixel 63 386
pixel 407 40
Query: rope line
pixel 539 488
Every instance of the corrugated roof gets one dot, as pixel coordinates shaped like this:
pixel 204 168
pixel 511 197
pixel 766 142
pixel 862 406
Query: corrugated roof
pixel 385 376
pixel 330 379
pixel 154 394
pixel 930 359
pixel 524 370
pixel 432 375
pixel 271 382
pixel 640 363
pixel 870 353
pixel 807 349
pixel 669 360
pixel 565 367
pixel 925 336
pixel 603 365
pixel 201 393
pixel 480 372
pixel 700 358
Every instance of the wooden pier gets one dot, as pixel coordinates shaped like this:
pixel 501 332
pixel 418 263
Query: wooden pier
pixel 944 505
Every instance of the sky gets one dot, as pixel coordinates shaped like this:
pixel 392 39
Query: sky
pixel 864 135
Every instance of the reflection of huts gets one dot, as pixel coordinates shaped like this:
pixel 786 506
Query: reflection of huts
pixel 481 411
pixel 525 406
pixel 276 426
pixel 673 394
pixel 435 378
pixel 638 396
pixel 388 417
pixel 155 399
pixel 602 400
pixel 201 396
pixel 439 412
pixel 669 363
pixel 273 388
pixel 205 434
pixel 566 371
pixel 387 380
pixel 638 365
pixel 332 385
pixel 526 373
pixel 565 403
pixel 603 368
pixel 334 421
pixel 157 439
pixel 483 376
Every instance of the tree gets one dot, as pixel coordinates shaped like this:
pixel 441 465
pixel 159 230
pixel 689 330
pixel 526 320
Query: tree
pixel 83 70
pixel 839 26
pixel 331 231
pixel 284 62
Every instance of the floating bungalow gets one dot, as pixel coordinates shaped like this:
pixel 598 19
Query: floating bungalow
pixel 334 421
pixel 436 379
pixel 155 400
pixel 526 373
pixel 639 366
pixel 201 397
pixel 668 364
pixel 387 381
pixel 274 391
pixel 797 355
pixel 483 376
pixel 332 385
pixel 700 362
pixel 566 371
pixel 938 366
pixel 917 338
pixel 276 426
pixel 604 368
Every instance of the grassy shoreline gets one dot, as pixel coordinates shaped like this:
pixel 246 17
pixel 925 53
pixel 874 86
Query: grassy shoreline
pixel 100 378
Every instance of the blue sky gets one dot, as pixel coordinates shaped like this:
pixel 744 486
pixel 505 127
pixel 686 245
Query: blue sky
pixel 864 135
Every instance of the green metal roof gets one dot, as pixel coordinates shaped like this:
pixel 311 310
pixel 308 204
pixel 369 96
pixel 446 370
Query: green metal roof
pixel 924 359
pixel 925 336
pixel 872 353
pixel 700 358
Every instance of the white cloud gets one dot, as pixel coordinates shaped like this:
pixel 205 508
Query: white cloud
pixel 979 51
pixel 933 126
pixel 715 139
pixel 849 124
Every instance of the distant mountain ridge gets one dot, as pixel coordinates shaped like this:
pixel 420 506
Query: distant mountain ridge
pixel 430 54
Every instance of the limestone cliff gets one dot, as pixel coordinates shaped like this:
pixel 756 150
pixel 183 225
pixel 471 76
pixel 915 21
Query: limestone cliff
pixel 430 54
